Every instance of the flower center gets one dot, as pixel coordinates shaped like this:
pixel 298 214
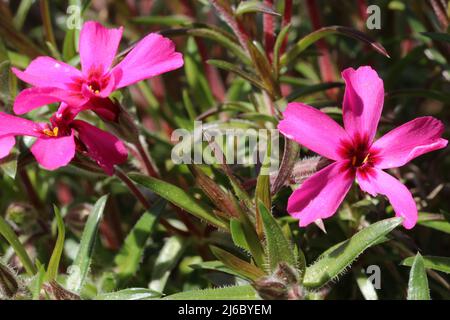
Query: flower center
pixel 51 133
pixel 360 159
pixel 94 86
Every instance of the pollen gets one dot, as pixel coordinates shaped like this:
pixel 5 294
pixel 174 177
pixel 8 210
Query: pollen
pixel 51 133
pixel 96 91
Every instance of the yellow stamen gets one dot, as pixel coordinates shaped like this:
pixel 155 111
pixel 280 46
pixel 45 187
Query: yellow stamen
pixel 92 89
pixel 353 160
pixel 51 133
pixel 366 158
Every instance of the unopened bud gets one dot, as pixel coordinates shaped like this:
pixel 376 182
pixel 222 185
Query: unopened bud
pixel 124 125
pixel 269 288
pixel 9 285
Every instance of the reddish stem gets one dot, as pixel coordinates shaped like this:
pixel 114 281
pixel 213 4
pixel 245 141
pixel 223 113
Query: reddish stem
pixel 325 64
pixel 287 16
pixel 269 31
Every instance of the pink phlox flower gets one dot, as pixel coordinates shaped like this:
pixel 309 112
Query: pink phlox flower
pixel 354 151
pixel 55 81
pixel 57 141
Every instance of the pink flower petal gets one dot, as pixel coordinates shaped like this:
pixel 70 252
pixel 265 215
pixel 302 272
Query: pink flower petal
pixel 48 72
pixel 13 126
pixel 408 141
pixel 375 181
pixel 320 195
pixel 32 98
pixel 313 129
pixel 53 153
pixel 103 147
pixel 6 144
pixel 98 47
pixel 363 102
pixel 152 56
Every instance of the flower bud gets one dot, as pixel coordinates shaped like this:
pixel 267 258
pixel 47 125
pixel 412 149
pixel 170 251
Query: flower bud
pixel 270 288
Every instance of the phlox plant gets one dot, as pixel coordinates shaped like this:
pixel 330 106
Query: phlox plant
pixel 94 206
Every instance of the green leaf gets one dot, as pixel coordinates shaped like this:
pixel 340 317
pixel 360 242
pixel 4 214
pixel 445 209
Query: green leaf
pixel 434 221
pixel 307 90
pixel 315 36
pixel 241 267
pixel 335 260
pixel 233 68
pixel 130 255
pixel 431 262
pixel 53 265
pixel 418 281
pixel 423 93
pixel 221 38
pixel 7 232
pixel 166 261
pixel 245 292
pixel 238 235
pixel 437 36
pixel 277 48
pixel 254 6
pixel 198 84
pixel 172 20
pixel 130 294
pixel 21 13
pixel 278 248
pixel 80 268
pixel 215 266
pixel 37 282
pixel 180 198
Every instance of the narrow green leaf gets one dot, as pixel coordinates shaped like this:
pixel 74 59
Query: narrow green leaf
pixel 307 90
pixel 278 248
pixel 8 233
pixel 245 292
pixel 166 261
pixel 437 36
pixel 53 265
pixel 172 20
pixel 335 260
pixel 221 38
pixel 254 6
pixel 233 68
pixel 418 281
pixel 37 282
pixel 237 234
pixel 241 267
pixel 431 262
pixel 130 255
pixel 277 48
pixel 21 13
pixel 313 37
pixel 80 268
pixel 130 294
pixel 434 221
pixel 262 192
pixel 179 197
pixel 215 266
